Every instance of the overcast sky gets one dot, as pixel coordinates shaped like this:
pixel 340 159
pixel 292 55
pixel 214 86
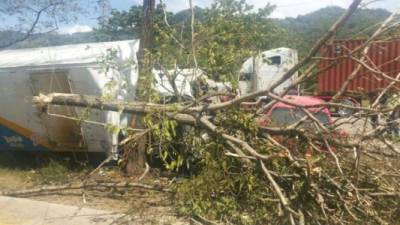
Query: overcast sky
pixel 285 8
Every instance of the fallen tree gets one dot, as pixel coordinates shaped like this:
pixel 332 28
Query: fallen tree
pixel 247 174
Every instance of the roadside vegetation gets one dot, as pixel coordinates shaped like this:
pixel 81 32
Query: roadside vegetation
pixel 31 169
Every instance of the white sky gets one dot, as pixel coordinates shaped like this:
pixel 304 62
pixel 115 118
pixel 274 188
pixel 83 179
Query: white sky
pixel 74 29
pixel 285 8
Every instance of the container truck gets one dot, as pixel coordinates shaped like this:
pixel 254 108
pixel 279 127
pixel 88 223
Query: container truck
pixel 260 72
pixel 383 60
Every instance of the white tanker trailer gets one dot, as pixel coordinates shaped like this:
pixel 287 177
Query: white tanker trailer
pixel 66 69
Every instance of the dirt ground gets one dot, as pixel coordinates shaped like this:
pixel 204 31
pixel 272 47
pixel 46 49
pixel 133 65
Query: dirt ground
pixel 143 206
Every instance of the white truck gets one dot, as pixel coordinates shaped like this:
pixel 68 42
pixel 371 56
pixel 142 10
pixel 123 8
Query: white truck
pixel 262 71
pixel 257 73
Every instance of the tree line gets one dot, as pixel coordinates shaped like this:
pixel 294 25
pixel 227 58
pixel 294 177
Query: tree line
pixel 299 32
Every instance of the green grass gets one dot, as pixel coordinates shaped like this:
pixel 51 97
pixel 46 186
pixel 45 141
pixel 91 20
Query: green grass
pixel 47 168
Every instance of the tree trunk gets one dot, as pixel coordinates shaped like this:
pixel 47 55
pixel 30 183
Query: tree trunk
pixel 147 37
pixel 137 157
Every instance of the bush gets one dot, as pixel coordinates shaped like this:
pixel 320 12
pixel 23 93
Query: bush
pixel 231 190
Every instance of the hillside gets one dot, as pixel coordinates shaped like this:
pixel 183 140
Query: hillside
pixel 304 30
pixel 50 39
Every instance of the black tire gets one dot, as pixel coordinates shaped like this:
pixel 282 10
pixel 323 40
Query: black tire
pixel 345 112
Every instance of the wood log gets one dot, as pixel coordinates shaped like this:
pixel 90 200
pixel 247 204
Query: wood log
pixel 135 108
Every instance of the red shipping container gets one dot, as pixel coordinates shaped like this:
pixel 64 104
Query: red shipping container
pixel 383 56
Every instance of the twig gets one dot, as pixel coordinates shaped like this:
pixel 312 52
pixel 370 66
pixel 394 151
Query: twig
pixel 107 160
pixel 46 189
pixel 145 172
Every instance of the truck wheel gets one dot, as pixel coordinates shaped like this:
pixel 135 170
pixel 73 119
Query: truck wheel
pixel 344 112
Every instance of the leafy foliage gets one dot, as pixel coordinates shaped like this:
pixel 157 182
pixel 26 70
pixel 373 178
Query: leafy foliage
pixel 231 33
pixel 227 189
pixel 121 25
pixel 224 189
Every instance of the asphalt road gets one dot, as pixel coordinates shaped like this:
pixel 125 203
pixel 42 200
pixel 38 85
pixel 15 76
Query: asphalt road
pixel 18 211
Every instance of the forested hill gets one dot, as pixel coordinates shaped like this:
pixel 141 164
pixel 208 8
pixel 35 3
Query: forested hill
pixel 300 32
pixel 304 30
pixel 43 40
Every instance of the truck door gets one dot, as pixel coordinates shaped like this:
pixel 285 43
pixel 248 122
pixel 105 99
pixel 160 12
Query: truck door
pixel 269 71
pixel 64 134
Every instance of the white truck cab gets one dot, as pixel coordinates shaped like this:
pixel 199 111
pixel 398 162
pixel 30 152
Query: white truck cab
pixel 260 72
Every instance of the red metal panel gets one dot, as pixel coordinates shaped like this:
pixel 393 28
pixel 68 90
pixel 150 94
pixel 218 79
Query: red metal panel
pixel 350 63
pixel 383 56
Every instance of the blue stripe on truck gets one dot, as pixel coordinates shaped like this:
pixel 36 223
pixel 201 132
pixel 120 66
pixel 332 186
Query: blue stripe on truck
pixel 10 140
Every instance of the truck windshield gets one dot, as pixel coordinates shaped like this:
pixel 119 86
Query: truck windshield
pixel 275 60
pixel 286 117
